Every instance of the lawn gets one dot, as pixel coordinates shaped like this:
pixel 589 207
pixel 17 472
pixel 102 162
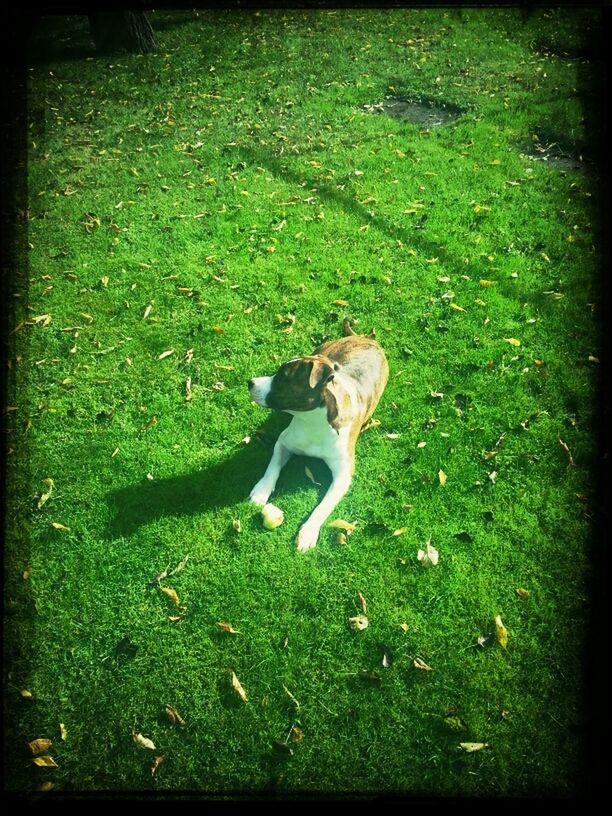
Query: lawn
pixel 194 218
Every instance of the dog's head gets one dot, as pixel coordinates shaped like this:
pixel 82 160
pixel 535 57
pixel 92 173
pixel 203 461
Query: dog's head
pixel 298 385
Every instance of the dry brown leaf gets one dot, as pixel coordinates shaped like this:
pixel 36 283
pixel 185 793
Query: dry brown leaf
pixel 470 747
pixel 61 527
pixel 420 664
pixel 165 354
pixel 341 539
pixel 163 574
pixel 236 685
pixel 291 697
pixel 143 742
pixel 147 311
pixel 442 477
pixel 237 525
pixel 157 761
pixel 359 622
pixel 180 566
pixel 341 524
pixel 429 556
pixel 171 593
pixel 44 787
pixel 227 627
pixel 173 715
pixel 392 436
pixel 45 496
pixel 188 393
pixel 501 632
pixel 568 453
pixel 296 734
pixel 45 762
pixel 363 603
pixel 38 746
pixel 524 593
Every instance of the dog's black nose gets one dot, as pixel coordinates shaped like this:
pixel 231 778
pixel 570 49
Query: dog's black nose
pixel 251 383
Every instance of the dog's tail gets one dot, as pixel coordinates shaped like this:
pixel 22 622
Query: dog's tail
pixel 348 329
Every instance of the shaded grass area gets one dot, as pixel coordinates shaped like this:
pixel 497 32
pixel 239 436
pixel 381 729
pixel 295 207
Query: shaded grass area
pixel 223 200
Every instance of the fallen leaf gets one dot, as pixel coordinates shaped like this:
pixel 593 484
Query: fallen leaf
pixel 296 734
pixel 143 742
pixel 513 341
pixel 359 622
pixel 165 354
pixel 484 282
pixel 310 475
pixel 236 525
pixel 567 451
pixel 236 685
pixel 147 311
pixel 392 436
pixel 45 496
pixel 45 762
pixel 524 593
pixel 227 627
pixel 363 603
pixel 442 477
pixel 482 640
pixel 420 664
pixel 404 627
pixel 291 697
pixel 180 567
pixel 387 658
pixel 340 302
pixel 27 572
pixel 157 761
pixel 25 693
pixel 429 556
pixel 61 527
pixel 373 423
pixel 44 787
pixel 173 715
pixel 188 394
pixel 341 539
pixel 400 531
pixel 163 574
pixel 456 307
pixel 470 747
pixel 341 524
pixel 501 632
pixel 104 280
pixel 436 394
pixel 171 593
pixel 37 746
pixel 492 476
pixel 454 723
pixel 63 732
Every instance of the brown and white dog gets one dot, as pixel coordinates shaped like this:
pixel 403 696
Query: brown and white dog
pixel 331 395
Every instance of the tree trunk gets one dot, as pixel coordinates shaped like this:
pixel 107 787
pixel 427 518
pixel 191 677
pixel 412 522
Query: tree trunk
pixel 119 30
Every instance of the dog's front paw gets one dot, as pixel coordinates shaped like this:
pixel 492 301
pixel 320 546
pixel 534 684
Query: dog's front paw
pixel 307 538
pixel 260 494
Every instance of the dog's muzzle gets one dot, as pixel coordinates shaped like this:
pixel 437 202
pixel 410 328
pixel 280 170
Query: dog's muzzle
pixel 259 388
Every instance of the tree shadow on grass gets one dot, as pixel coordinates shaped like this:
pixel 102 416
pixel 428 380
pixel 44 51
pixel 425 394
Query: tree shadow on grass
pixel 221 484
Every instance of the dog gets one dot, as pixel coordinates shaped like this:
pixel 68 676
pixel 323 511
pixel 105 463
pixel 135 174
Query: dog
pixel 331 394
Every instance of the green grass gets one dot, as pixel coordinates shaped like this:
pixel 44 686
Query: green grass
pixel 233 183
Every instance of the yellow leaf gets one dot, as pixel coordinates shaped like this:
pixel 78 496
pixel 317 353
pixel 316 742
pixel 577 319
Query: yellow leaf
pixel 341 524
pixel 227 627
pixel 147 311
pixel 513 341
pixel 166 354
pixel 524 593
pixel 45 762
pixel 501 632
pixel 442 477
pixel 340 302
pixel 237 686
pixel 296 734
pixel 59 526
pixel 404 627
pixel 237 525
pixel 63 732
pixel 400 531
pixel 25 693
pixel 484 282
pixel 143 742
pixel 45 496
pixel 104 280
pixel 363 603
pixel 392 436
pixel 457 308
pixel 44 787
pixel 38 746
pixel 171 593
pixel 470 747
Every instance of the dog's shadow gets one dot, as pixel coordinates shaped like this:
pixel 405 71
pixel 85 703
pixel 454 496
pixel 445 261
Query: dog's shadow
pixel 222 484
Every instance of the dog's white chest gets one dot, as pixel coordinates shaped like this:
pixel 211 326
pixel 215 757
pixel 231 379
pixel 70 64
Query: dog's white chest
pixel 310 434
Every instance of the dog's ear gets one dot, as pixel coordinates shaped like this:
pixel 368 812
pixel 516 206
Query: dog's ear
pixel 331 403
pixel 320 374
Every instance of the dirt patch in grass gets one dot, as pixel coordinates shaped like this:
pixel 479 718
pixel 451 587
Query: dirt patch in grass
pixel 556 149
pixel 425 113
